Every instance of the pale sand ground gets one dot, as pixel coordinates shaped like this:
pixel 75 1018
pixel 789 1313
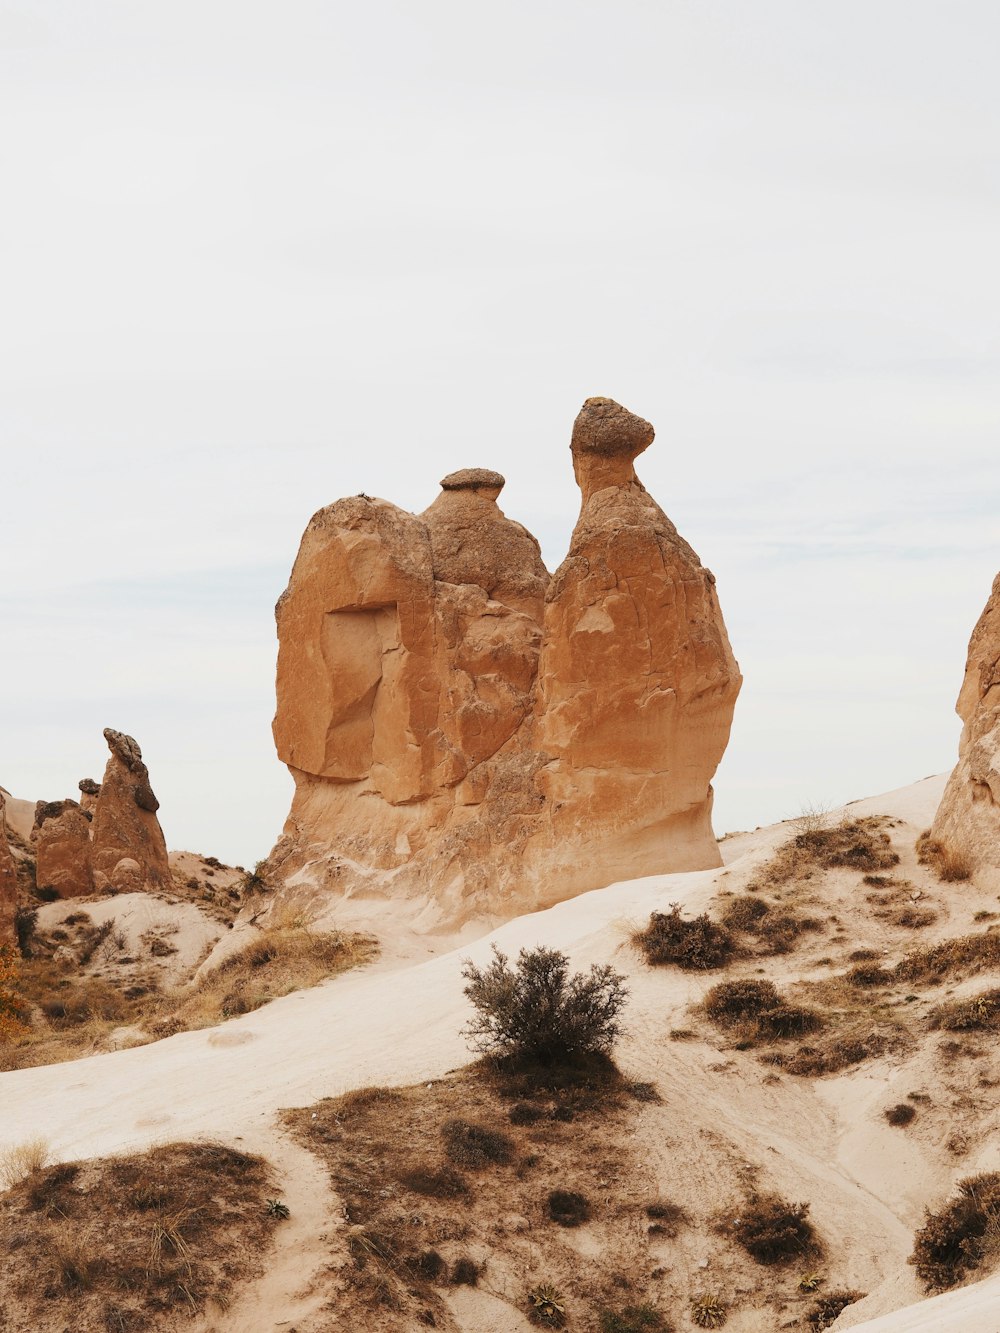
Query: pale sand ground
pixel 398 1022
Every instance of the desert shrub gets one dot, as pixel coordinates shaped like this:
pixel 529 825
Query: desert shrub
pixel 948 863
pixel 773 1231
pixel 476 1146
pixel 977 1014
pixel 634 1319
pixel 863 1041
pixel 696 945
pixel 914 918
pixel 757 1011
pixel 955 1240
pixel 963 952
pixel 865 975
pixel 745 912
pixel 900 1114
pixel 25 921
pixel 709 1311
pixel 779 931
pixel 428 1266
pixel 568 1208
pixel 464 1272
pixel 536 1011
pixel 546 1307
pixel 828 1308
pixel 435 1182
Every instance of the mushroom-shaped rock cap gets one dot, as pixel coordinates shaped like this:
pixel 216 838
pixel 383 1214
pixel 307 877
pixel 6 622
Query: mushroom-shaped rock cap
pixel 473 479
pixel 605 427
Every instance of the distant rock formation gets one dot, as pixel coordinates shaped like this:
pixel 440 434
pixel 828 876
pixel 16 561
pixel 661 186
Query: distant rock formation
pixel 128 847
pixel 466 731
pixel 61 839
pixel 968 819
pixel 8 881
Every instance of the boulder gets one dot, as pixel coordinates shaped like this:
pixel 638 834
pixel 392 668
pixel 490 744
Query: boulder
pixel 968 818
pixel 125 826
pixel 61 838
pixel 466 731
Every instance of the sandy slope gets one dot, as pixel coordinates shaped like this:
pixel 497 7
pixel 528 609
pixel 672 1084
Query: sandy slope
pixel 398 1022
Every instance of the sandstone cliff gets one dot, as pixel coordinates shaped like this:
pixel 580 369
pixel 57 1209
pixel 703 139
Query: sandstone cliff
pixel 467 732
pixel 968 819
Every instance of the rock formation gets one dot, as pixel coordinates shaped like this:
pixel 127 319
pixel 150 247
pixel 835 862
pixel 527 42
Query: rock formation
pixel 61 837
pixel 126 836
pixel 8 882
pixel 466 731
pixel 968 819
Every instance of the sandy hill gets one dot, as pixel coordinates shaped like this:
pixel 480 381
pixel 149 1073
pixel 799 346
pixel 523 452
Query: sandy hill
pixel 729 1114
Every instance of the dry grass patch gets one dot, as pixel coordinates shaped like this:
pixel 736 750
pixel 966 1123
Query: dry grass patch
pixel 978 1013
pixel 68 1014
pixel 948 863
pixel 774 1231
pixel 756 1013
pixel 854 844
pixel 964 953
pixel 696 945
pixel 828 1308
pixel 122 1243
pixel 961 1236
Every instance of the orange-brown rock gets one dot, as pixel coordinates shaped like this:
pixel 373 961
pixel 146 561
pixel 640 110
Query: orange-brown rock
pixel 8 882
pixel 968 819
pixel 126 830
pixel 61 838
pixel 466 731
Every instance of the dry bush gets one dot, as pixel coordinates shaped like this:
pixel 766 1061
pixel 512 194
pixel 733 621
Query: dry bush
pixel 773 1231
pixel 956 1239
pixel 827 1309
pixel 914 918
pixel 979 1013
pixel 435 1182
pixel 567 1208
pixel 756 1012
pixel 120 1243
pixel 857 844
pixel 476 1146
pixel 860 1039
pixel 745 912
pixel 537 1012
pixel 865 975
pixel 23 1159
pixel 464 1272
pixel 969 953
pixel 900 1114
pixel 775 932
pixel 948 863
pixel 634 1319
pixel 696 945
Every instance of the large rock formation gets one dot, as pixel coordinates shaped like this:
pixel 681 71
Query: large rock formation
pixel 968 819
pixel 61 837
pixel 8 881
pixel 467 732
pixel 128 848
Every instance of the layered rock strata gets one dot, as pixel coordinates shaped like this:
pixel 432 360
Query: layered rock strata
pixel 466 729
pixel 968 819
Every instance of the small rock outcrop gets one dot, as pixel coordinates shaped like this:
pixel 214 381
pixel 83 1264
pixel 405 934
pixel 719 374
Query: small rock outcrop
pixel 8 882
pixel 968 819
pixel 61 839
pixel 464 729
pixel 126 832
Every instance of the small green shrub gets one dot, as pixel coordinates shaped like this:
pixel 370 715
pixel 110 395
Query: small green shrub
pixel 536 1011
pixel 696 946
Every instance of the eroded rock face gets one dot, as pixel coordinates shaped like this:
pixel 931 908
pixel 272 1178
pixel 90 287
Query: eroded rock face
pixel 125 826
pixel 462 727
pixel 61 837
pixel 968 819
pixel 8 882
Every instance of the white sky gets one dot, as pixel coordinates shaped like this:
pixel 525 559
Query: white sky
pixel 256 256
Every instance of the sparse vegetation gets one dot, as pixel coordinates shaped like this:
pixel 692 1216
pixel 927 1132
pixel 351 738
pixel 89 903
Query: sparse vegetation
pixel 773 1231
pixel 958 1238
pixel 967 953
pixel 120 1243
pixel 948 863
pixel 854 844
pixel 567 1208
pixel 546 1307
pixel 23 1159
pixel 900 1114
pixel 756 1012
pixel 476 1146
pixel 709 1311
pixel 697 945
pixel 666 1219
pixel 978 1013
pixel 537 1012
pixel 634 1319
pixel 828 1308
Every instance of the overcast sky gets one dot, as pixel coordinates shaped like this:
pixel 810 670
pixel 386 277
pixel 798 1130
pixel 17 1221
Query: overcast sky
pixel 256 256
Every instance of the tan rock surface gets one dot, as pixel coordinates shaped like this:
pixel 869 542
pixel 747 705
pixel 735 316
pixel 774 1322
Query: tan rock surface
pixel 8 882
pixel 125 824
pixel 61 838
pixel 462 728
pixel 968 819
